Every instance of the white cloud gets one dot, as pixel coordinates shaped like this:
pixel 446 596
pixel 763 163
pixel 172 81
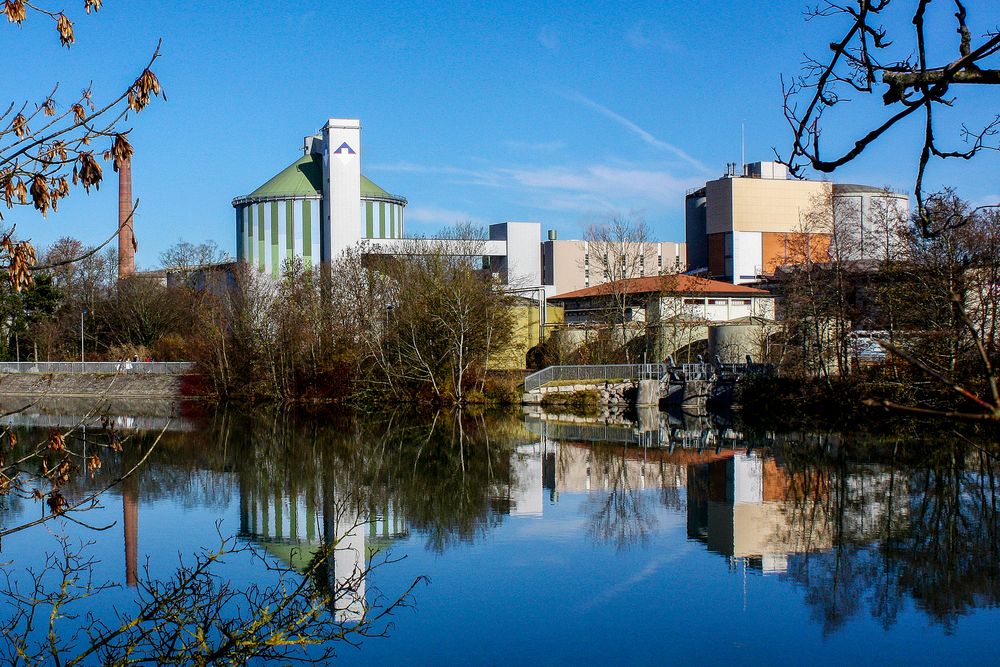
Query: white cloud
pixel 646 36
pixel 646 136
pixel 548 38
pixel 590 190
pixel 536 146
pixel 613 186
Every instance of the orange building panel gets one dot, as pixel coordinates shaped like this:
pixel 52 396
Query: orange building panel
pixel 781 248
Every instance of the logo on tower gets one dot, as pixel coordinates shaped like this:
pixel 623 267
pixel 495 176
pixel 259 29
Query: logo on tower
pixel 344 151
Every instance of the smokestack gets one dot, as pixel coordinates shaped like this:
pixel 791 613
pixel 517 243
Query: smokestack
pixel 126 230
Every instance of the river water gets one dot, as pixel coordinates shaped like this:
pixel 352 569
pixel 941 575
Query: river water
pixel 543 539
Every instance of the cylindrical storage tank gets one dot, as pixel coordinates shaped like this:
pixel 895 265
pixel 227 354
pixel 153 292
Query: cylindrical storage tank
pixel 696 229
pixel 285 219
pixel 381 212
pixel 282 219
pixel 733 341
pixel 868 219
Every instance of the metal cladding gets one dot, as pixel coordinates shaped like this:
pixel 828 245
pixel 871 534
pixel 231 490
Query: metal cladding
pixel 126 233
pixel 317 207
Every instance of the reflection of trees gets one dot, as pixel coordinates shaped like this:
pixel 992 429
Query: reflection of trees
pixel 442 473
pixel 907 527
pixel 188 467
pixel 619 515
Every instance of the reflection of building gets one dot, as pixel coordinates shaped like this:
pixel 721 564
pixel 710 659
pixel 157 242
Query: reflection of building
pixel 551 467
pixel 739 506
pixel 576 468
pixel 526 473
pixel 294 529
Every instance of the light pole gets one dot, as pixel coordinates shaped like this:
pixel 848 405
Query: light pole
pixel 82 313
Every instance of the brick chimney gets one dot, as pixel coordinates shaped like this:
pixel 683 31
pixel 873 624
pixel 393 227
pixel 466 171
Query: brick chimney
pixel 126 233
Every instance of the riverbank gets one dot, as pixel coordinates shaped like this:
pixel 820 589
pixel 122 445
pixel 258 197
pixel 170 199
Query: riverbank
pixel 99 385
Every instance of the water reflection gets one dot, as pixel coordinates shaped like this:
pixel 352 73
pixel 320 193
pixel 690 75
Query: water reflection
pixel 904 531
pixel 860 524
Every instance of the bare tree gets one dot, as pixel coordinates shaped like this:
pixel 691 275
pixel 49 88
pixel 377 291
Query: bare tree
pixel 617 253
pixel 445 319
pixel 49 146
pixel 184 258
pixel 195 616
pixel 914 79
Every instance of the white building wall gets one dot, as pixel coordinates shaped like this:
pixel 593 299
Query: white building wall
pixel 316 234
pixel 523 262
pixel 747 256
pixel 342 194
pixel 282 237
pixel 717 309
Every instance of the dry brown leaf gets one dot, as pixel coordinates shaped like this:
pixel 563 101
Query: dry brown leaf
pixel 65 28
pixel 15 10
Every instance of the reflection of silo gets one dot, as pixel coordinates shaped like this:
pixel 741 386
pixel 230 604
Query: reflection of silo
pixel 347 576
pixel 293 529
pixel 736 339
pixel 696 223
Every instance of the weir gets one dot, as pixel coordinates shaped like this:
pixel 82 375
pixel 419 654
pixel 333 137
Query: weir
pixel 642 384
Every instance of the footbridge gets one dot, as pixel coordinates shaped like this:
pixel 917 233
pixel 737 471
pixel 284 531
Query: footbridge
pixel 617 382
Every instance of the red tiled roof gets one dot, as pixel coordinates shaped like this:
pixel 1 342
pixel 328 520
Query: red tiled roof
pixel 670 284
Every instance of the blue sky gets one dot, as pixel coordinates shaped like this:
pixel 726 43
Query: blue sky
pixel 561 112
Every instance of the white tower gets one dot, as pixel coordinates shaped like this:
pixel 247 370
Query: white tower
pixel 342 194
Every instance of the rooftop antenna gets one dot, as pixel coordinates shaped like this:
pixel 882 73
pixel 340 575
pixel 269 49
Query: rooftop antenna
pixel 743 147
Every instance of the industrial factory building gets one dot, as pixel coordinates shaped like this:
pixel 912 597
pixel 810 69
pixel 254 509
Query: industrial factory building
pixel 742 227
pixel 317 206
pixel 320 205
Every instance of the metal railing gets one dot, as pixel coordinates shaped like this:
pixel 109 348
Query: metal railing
pixel 625 372
pixel 605 372
pixel 591 432
pixel 103 367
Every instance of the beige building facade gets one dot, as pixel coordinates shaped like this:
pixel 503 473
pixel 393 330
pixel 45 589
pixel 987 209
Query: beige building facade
pixel 742 227
pixel 572 265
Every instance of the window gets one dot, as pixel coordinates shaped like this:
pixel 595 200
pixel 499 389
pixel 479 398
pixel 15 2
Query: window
pixel 741 302
pixel 693 302
pixel 716 302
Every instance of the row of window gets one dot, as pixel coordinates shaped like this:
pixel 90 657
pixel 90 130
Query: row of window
pixel 716 302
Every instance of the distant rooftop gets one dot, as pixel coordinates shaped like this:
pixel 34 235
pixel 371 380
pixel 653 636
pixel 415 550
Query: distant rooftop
pixel 668 284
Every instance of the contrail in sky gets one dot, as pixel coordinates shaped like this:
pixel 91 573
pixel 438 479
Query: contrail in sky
pixel 579 98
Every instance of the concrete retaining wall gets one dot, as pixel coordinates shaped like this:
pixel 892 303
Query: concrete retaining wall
pixel 610 393
pixel 91 385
